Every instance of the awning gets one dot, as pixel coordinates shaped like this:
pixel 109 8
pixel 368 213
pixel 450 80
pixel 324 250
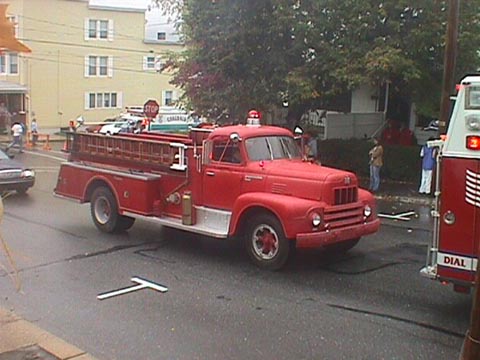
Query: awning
pixel 12 88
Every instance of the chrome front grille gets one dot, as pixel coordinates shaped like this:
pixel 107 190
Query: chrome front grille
pixel 345 195
pixel 343 216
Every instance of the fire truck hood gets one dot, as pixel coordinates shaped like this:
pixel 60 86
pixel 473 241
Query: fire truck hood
pixel 306 180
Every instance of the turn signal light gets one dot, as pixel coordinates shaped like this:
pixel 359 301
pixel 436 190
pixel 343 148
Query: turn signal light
pixel 473 142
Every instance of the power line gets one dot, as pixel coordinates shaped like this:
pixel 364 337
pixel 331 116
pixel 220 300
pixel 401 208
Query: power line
pixel 86 45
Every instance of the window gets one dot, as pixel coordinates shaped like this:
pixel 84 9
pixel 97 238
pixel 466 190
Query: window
pixel 272 147
pixel 13 66
pixel 98 66
pixel 3 64
pixel 151 62
pixel 161 36
pixel 226 151
pixel 96 29
pixel 472 97
pixel 9 63
pixel 168 98
pixel 102 100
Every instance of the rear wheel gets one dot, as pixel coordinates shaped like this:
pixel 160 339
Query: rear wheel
pixel 104 211
pixel 266 243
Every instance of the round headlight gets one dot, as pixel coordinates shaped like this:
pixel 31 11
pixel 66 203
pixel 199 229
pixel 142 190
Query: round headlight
pixel 449 218
pixel 367 211
pixel 472 122
pixel 316 219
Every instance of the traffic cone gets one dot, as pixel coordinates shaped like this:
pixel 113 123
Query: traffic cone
pixel 46 146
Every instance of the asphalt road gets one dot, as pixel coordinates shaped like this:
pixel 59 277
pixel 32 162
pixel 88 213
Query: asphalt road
pixel 368 304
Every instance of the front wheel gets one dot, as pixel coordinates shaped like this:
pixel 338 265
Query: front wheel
pixel 104 210
pixel 266 243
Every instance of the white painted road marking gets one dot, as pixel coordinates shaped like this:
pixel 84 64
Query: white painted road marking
pixel 142 284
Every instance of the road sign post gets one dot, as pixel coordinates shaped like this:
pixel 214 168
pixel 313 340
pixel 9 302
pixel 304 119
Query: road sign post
pixel 150 109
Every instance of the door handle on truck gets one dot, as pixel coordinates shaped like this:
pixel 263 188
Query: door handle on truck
pixel 210 173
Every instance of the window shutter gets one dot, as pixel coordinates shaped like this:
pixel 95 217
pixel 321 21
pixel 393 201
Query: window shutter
pixel 145 61
pixel 164 98
pixel 158 64
pixel 110 66
pixel 86 65
pixel 110 30
pixel 87 101
pixel 119 100
pixel 86 30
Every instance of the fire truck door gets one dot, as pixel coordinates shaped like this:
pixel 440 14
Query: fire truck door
pixel 223 175
pixel 459 217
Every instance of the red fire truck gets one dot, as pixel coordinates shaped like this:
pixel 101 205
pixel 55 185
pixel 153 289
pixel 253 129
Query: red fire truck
pixel 453 251
pixel 245 181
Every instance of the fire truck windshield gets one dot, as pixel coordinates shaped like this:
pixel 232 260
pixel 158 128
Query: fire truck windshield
pixel 271 148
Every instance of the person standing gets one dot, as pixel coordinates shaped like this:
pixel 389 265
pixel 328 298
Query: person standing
pixel 428 163
pixel 17 132
pixel 34 130
pixel 376 162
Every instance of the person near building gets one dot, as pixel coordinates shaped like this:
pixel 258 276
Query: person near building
pixel 34 130
pixel 428 163
pixel 376 163
pixel 17 132
pixel 311 151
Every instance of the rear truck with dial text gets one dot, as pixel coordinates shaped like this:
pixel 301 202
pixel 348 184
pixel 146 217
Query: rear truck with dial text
pixel 453 251
pixel 246 181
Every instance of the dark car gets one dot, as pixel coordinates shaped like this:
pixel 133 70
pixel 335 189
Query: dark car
pixel 14 176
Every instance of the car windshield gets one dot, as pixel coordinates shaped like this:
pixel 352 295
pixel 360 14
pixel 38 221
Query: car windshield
pixel 271 148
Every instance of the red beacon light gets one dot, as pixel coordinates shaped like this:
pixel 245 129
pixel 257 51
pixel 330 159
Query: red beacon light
pixel 473 142
pixel 253 118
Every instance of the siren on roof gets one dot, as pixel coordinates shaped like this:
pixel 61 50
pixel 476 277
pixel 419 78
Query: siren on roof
pixel 253 118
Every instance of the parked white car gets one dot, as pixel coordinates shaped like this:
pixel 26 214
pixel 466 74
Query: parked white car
pixel 113 128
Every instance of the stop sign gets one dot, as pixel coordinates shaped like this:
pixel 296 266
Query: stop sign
pixel 150 108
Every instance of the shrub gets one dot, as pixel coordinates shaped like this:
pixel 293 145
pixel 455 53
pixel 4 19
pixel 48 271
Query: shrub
pixel 401 163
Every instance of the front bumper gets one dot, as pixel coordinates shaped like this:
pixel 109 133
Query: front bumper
pixel 14 184
pixel 323 238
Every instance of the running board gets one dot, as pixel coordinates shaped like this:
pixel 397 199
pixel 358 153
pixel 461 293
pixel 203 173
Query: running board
pixel 209 222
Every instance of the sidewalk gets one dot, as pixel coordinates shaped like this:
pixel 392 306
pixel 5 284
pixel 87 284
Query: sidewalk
pixel 22 340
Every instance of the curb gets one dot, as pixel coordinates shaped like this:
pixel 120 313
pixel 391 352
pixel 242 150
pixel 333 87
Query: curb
pixel 20 337
pixel 427 201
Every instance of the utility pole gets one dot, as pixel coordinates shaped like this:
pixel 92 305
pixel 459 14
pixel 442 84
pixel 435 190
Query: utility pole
pixel 449 64
pixel 471 344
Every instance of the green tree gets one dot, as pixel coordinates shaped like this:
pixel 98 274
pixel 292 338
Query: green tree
pixel 256 53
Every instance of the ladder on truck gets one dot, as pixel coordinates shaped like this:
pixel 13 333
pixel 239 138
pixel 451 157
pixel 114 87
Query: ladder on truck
pixel 139 151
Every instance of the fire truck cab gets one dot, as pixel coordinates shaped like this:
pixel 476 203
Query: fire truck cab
pixel 453 251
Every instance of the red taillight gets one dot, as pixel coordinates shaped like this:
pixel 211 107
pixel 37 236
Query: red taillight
pixel 473 142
